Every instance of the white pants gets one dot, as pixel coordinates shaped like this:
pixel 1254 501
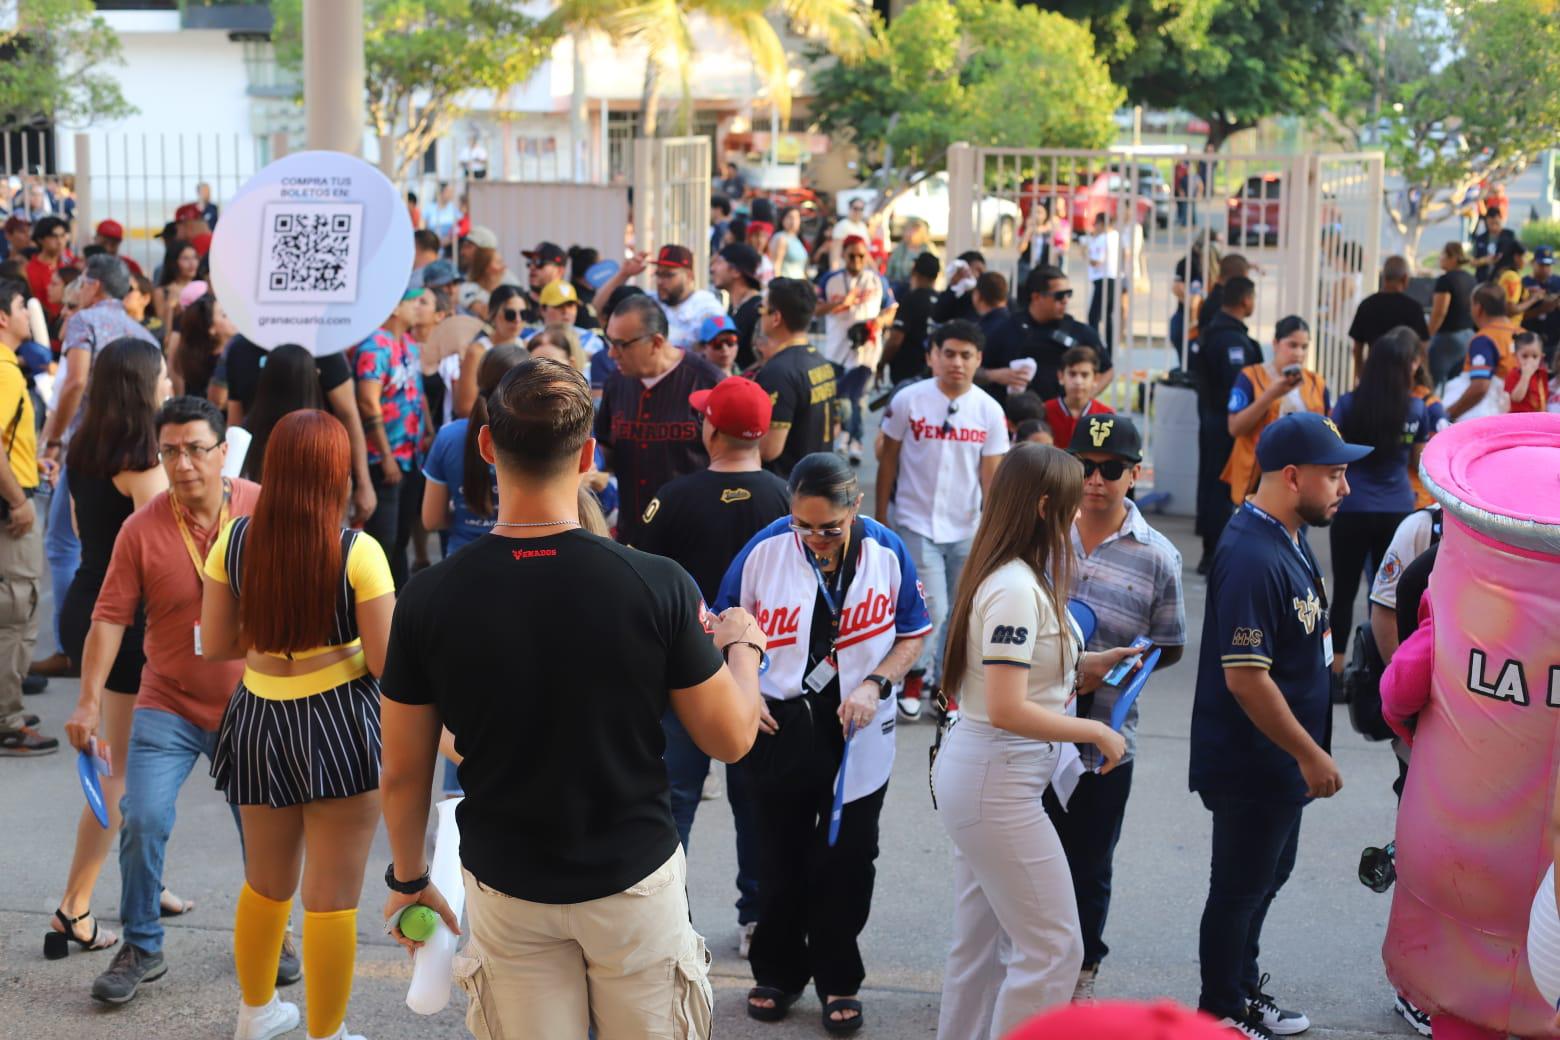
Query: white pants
pixel 1017 946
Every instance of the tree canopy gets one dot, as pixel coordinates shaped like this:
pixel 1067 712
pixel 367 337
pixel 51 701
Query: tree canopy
pixel 984 71
pixel 56 66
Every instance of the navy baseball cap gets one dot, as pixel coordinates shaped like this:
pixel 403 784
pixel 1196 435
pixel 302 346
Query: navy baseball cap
pixel 440 272
pixel 1306 439
pixel 1544 255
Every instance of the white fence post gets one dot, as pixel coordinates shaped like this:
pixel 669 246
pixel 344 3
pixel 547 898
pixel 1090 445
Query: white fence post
pixel 85 221
pixel 963 199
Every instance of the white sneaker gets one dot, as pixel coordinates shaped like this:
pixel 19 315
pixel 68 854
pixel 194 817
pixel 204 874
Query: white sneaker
pixel 266 1021
pixel 1249 1026
pixel 745 944
pixel 909 708
pixel 1279 1022
pixel 712 787
pixel 340 1034
pixel 1412 1015
pixel 1083 991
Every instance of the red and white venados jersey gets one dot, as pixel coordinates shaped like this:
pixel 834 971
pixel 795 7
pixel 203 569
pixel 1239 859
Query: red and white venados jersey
pixel 773 579
pixel 941 445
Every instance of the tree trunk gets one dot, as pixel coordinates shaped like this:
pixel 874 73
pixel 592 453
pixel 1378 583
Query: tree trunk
pixel 650 98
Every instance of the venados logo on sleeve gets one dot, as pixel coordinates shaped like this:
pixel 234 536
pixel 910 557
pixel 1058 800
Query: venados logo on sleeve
pixel 650 510
pixel 1099 430
pixel 1308 611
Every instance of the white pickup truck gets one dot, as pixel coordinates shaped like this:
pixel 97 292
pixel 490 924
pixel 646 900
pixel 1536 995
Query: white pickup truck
pixel 928 200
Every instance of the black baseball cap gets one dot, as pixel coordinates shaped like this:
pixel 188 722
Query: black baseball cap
pixel 1109 434
pixel 745 259
pixel 1306 439
pixel 547 253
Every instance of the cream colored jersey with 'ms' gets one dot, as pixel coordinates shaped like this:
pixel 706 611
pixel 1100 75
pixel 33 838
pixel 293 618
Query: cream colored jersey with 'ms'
pixel 1012 623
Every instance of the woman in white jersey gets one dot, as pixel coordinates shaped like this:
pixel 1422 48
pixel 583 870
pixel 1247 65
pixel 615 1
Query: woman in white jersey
pixel 1014 663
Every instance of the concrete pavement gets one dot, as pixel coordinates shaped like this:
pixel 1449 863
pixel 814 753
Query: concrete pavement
pixel 1322 944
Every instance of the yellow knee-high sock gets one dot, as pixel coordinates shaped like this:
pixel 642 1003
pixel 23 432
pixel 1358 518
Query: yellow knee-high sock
pixel 329 949
pixel 258 929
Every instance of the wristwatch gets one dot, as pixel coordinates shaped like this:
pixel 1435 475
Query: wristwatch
pixel 885 685
pixel 406 888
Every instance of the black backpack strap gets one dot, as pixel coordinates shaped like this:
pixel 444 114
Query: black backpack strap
pixel 16 420
pixel 1437 523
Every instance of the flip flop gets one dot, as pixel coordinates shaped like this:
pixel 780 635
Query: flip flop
pixel 782 999
pixel 170 905
pixel 843 1025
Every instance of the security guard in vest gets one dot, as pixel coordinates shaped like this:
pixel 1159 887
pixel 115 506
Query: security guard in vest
pixel 1226 348
pixel 1263 394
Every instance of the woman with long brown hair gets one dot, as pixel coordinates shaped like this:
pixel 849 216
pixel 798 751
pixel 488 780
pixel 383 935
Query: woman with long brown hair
pixel 307 605
pixel 1015 660
pixel 461 492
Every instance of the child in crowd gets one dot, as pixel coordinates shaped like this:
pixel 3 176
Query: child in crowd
pixel 1034 430
pixel 1080 375
pixel 1020 408
pixel 1528 382
pixel 718 343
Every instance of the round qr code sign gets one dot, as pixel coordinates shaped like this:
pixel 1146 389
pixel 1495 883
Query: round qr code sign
pixel 315 249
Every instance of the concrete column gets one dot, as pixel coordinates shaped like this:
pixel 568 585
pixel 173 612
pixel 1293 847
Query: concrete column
pixel 333 74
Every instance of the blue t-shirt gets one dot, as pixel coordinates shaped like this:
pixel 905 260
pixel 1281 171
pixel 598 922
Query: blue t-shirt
pixel 1266 608
pixel 446 465
pixel 1378 483
pixel 1483 358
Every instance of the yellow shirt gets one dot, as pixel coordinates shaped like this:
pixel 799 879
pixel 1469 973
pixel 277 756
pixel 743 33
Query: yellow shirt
pixel 18 432
pixel 368 573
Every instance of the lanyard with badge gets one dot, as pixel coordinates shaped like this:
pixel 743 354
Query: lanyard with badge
pixel 825 671
pixel 189 541
pixel 1310 569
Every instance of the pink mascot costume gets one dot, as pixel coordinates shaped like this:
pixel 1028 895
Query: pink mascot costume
pixel 1482 675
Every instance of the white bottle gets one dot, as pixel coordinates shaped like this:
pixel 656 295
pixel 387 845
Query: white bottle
pixel 430 990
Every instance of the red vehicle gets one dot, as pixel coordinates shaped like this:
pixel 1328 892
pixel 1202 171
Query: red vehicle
pixel 1256 211
pixel 1104 192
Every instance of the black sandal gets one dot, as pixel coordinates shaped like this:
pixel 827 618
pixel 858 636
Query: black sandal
pixel 782 1003
pixel 843 1025
pixel 56 945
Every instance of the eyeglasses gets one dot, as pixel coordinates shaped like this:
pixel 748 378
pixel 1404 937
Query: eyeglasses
pixel 1111 469
pixel 1062 295
pixel 817 532
pixel 624 344
pixel 172 453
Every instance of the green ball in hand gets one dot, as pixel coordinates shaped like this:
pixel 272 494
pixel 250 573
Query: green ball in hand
pixel 418 922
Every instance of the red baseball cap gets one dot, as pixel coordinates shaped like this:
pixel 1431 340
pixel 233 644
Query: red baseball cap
pixel 111 229
pixel 1120 1020
pixel 202 243
pixel 735 406
pixel 674 256
pixel 188 211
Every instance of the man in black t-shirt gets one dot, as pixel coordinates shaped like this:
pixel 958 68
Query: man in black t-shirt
pixel 551 655
pixel 1043 332
pixel 1491 244
pixel 702 520
pixel 800 381
pixel 239 373
pixel 905 348
pixel 734 271
pixel 1381 312
pixel 645 426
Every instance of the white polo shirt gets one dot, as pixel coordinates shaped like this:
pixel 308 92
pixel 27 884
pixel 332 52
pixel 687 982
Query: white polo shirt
pixel 941 445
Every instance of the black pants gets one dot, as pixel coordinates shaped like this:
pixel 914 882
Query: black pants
pixel 1089 828
pixel 1214 507
pixel 1105 311
pixel 1254 847
pixel 813 900
pixel 394 517
pixel 1359 543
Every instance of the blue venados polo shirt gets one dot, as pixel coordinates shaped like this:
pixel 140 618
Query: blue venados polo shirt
pixel 1266 609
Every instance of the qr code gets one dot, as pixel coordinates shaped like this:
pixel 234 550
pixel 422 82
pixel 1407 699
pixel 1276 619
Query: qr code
pixel 310 251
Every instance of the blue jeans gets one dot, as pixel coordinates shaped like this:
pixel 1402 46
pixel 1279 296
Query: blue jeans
pixel 61 547
pixel 686 768
pixel 163 749
pixel 851 400
pixel 1254 846
pixel 938 565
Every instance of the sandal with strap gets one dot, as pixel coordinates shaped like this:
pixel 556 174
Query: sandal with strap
pixel 170 905
pixel 56 944
pixel 842 1025
pixel 782 1003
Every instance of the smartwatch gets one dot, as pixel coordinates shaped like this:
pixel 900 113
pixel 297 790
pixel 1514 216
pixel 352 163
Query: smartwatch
pixel 885 685
pixel 406 888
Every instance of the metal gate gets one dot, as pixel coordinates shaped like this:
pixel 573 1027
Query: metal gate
pixel 1309 225
pixel 672 196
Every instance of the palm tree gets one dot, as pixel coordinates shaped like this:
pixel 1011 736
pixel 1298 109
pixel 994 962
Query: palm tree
pixel 664 27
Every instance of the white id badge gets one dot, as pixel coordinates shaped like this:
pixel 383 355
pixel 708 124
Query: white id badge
pixel 197 640
pixel 820 676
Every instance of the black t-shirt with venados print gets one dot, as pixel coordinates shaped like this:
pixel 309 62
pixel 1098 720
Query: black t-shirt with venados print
pixel 551 660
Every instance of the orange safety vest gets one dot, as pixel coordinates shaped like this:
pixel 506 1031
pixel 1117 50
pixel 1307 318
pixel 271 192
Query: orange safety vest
pixel 1241 472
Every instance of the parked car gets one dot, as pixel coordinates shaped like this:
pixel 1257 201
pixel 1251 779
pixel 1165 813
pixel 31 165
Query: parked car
pixel 1256 211
pixel 998 218
pixel 1151 185
pixel 1102 192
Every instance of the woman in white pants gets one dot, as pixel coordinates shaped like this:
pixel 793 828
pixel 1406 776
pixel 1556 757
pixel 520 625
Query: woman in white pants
pixel 1014 661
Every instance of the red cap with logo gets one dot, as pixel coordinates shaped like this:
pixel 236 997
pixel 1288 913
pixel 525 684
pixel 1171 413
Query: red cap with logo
pixel 188 211
pixel 735 406
pixel 674 256
pixel 112 230
pixel 1121 1020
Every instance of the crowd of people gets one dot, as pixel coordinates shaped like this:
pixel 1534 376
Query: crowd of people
pixel 368 532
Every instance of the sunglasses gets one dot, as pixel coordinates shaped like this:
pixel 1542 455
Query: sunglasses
pixel 817 532
pixel 1061 296
pixel 1110 470
pixel 511 316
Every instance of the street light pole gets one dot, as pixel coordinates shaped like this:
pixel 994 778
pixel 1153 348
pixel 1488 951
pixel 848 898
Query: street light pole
pixel 333 74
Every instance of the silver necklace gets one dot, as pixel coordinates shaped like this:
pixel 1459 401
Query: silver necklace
pixel 539 523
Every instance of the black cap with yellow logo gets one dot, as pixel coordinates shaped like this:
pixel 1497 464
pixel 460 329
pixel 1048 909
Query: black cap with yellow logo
pixel 1108 434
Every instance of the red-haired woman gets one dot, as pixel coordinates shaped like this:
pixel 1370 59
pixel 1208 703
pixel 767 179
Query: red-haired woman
pixel 307 604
